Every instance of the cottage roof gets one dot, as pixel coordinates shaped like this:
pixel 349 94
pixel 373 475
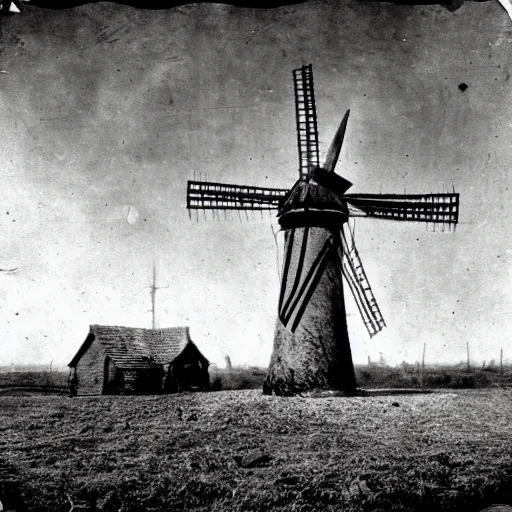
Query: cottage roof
pixel 132 347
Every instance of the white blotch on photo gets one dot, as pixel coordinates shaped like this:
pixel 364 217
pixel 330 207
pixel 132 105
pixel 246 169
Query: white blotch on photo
pixel 131 214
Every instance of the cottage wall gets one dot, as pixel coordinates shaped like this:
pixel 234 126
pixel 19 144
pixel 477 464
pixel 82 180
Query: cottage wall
pixel 188 371
pixel 171 382
pixel 130 382
pixel 89 370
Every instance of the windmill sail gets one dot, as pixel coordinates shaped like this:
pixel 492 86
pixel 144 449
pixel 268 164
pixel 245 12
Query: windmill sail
pixel 353 271
pixel 335 148
pixel 203 195
pixel 305 112
pixel 436 208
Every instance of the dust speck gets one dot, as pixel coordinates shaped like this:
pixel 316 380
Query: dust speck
pixel 131 214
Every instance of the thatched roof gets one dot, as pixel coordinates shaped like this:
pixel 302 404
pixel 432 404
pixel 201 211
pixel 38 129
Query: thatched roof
pixel 131 347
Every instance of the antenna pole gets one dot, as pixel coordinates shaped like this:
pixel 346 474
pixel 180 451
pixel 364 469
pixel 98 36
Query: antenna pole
pixel 153 297
pixel 423 364
pixel 501 363
pixel 154 288
pixel 467 351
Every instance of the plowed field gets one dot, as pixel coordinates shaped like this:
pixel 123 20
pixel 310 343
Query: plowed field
pixel 240 450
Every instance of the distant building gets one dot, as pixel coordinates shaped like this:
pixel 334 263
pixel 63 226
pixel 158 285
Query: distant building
pixel 126 360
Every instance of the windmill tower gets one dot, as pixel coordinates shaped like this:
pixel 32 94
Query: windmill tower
pixel 311 345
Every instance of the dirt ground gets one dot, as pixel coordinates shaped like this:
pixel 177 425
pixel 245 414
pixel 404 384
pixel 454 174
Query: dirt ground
pixel 241 450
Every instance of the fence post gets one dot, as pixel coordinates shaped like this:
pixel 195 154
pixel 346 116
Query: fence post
pixel 422 371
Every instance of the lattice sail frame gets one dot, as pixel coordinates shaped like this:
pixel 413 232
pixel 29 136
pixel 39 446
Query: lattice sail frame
pixel 353 271
pixel 203 195
pixel 433 208
pixel 305 113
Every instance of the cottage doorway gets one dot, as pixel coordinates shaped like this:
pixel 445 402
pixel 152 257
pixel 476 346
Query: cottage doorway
pixel 112 378
pixel 191 377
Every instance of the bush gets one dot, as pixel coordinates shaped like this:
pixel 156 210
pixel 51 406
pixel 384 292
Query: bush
pixel 237 378
pixel 374 376
pixel 437 380
pixel 378 376
pixel 42 379
pixel 216 384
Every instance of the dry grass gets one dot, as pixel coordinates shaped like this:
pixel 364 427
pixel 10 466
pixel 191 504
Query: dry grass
pixel 446 451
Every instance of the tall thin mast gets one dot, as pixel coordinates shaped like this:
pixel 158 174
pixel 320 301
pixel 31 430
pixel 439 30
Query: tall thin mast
pixel 154 288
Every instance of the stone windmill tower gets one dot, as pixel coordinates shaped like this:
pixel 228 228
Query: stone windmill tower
pixel 311 345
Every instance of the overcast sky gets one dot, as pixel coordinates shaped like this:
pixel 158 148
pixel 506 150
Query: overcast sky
pixel 107 110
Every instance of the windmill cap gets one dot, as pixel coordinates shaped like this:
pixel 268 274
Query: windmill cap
pixel 310 203
pixel 330 180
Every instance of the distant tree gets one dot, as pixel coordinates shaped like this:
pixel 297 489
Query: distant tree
pixel 407 367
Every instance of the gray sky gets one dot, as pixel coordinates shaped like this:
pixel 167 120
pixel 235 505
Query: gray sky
pixel 106 111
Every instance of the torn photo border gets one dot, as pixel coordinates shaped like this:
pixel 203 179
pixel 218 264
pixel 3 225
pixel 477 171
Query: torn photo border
pixel 16 6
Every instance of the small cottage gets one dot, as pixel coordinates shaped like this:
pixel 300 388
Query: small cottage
pixel 126 360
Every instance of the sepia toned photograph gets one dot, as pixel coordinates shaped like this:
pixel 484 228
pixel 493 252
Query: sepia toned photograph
pixel 256 256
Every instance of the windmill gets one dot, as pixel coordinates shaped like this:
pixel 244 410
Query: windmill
pixel 311 345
